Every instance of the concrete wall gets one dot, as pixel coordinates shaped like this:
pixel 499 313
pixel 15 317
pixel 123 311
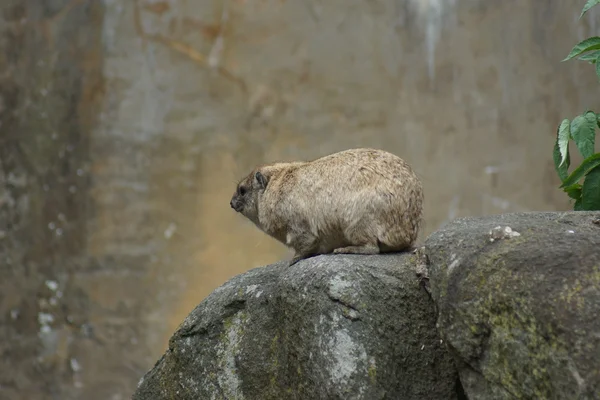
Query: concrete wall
pixel 126 125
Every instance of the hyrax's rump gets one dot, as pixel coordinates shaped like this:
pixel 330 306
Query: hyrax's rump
pixel 361 201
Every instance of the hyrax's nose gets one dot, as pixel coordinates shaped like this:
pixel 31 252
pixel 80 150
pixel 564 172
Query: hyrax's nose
pixel 231 203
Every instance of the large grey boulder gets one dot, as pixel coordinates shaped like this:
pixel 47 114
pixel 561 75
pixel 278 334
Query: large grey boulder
pixel 329 327
pixel 520 307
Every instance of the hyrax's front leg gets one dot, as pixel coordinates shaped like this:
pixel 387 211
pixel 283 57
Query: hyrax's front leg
pixel 365 249
pixel 304 243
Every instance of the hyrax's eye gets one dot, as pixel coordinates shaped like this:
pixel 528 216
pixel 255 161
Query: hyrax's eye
pixel 242 191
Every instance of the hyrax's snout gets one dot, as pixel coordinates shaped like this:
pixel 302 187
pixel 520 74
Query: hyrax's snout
pixel 236 204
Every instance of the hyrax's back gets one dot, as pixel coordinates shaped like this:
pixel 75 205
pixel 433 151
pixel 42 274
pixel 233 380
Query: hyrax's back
pixel 357 201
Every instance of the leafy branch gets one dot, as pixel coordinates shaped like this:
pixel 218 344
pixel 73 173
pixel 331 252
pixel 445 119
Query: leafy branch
pixel 582 131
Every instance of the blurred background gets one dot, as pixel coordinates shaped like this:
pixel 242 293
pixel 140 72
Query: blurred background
pixel 125 125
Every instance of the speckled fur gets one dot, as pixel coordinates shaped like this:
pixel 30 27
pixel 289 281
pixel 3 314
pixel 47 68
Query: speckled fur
pixel 361 201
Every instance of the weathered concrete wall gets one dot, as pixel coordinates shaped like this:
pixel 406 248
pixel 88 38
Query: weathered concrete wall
pixel 50 89
pixel 469 92
pixel 121 146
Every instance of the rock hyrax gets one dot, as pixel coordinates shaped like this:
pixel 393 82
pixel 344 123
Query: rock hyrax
pixel 360 201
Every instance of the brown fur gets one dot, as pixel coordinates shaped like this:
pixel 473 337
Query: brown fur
pixel 360 201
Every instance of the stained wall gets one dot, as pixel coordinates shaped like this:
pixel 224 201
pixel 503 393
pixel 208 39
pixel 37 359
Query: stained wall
pixel 126 125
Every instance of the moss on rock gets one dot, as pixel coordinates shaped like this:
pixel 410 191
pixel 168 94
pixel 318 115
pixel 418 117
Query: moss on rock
pixel 516 310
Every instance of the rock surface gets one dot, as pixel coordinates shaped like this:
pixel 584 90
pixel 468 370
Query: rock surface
pixel 516 298
pixel 330 327
pixel 520 307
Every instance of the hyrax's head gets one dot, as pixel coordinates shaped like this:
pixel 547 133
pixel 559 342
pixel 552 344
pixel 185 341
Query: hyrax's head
pixel 247 195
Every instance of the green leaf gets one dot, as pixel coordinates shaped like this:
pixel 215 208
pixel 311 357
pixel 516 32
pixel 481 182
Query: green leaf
pixel 584 46
pixel 564 132
pixel 562 137
pixel 587 165
pixel 598 66
pixel 588 5
pixel 591 57
pixel 578 205
pixel 591 190
pixel 574 191
pixel 561 165
pixel 562 171
pixel 583 132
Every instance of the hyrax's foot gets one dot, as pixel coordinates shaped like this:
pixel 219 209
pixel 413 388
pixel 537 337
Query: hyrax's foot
pixel 295 260
pixel 366 249
pixel 299 257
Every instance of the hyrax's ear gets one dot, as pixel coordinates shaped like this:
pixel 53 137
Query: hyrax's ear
pixel 261 180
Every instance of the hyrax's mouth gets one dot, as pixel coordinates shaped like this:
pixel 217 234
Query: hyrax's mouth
pixel 236 205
